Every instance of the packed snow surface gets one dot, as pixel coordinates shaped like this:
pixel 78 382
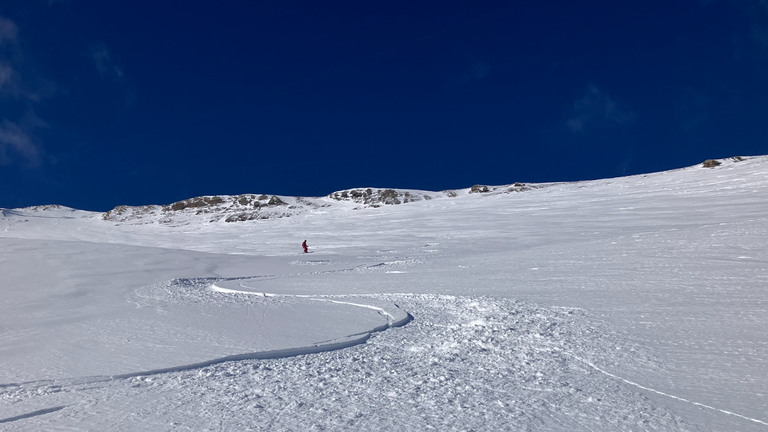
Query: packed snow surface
pixel 636 303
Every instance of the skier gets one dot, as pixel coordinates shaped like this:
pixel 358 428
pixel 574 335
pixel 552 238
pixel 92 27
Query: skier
pixel 304 245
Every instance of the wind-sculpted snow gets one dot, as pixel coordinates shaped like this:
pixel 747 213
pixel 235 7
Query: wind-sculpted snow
pixel 463 363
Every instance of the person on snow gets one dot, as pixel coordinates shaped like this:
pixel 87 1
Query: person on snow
pixel 304 245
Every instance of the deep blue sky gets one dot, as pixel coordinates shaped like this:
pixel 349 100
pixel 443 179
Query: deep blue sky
pixel 148 102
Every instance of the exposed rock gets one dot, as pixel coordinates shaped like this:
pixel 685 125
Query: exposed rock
pixel 241 217
pixel 377 197
pixel 193 203
pixel 218 208
pixel 245 200
pixel 737 158
pixel 44 207
pixel 519 187
pixel 251 207
pixel 124 213
pixel 710 163
pixel 389 196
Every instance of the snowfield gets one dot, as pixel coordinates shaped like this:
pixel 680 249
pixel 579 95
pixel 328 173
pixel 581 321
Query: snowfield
pixel 636 303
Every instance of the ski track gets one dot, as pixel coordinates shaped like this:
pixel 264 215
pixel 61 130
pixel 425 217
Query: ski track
pixel 666 394
pixel 32 414
pixel 538 345
pixel 395 316
pixel 193 290
pixel 462 363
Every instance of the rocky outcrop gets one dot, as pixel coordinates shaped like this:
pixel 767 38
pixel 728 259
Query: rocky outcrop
pixel 45 207
pixel 250 207
pixel 378 197
pixel 206 201
pixel 215 208
pixel 520 187
pixel 478 189
pixel 125 213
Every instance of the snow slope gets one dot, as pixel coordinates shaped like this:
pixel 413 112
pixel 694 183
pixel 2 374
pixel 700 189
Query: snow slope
pixel 634 303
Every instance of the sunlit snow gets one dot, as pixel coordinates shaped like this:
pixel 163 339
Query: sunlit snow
pixel 636 303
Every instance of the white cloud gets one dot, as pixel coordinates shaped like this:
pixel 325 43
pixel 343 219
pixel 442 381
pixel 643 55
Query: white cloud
pixel 596 107
pixel 106 66
pixel 19 93
pixel 8 30
pixel 6 73
pixel 14 137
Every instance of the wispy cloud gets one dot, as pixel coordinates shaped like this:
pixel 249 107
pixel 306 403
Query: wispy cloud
pixel 8 35
pixel 6 74
pixel 8 31
pixel 21 88
pixel 596 107
pixel 105 64
pixel 14 138
pixel 110 69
